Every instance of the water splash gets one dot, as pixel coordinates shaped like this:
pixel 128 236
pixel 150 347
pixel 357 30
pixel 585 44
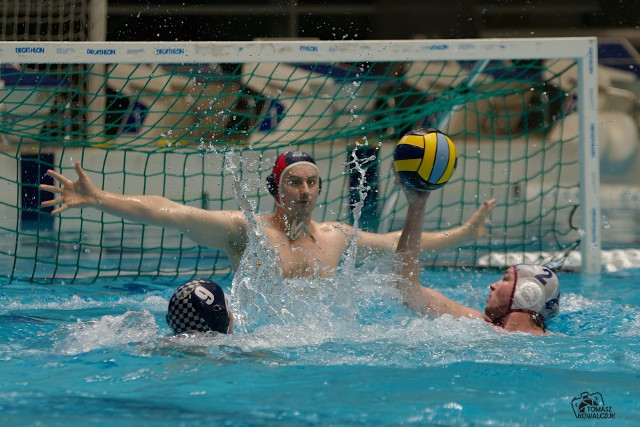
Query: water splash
pixel 258 273
pixel 260 295
pixel 350 256
pixel 108 331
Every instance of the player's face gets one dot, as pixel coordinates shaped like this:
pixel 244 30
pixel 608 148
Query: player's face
pixel 500 295
pixel 299 189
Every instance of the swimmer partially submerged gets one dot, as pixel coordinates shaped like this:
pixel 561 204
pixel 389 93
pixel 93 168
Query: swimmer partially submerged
pixel 199 305
pixel 525 293
pixel 522 300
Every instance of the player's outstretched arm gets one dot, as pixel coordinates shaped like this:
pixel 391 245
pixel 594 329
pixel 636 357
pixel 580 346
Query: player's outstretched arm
pixel 210 228
pixel 408 267
pixel 385 243
pixel 455 237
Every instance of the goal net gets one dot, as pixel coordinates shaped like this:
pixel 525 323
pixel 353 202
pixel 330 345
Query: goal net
pixel 183 120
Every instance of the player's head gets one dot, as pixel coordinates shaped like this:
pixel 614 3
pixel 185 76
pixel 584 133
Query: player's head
pixel 199 305
pixel 527 288
pixel 283 165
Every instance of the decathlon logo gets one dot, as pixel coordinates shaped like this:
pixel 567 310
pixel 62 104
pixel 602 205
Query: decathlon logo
pixel 101 52
pixel 29 49
pixel 308 48
pixel 590 406
pixel 170 51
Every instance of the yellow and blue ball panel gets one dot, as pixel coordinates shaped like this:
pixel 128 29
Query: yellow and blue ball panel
pixel 425 159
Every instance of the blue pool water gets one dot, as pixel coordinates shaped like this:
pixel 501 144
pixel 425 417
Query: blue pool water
pixel 337 352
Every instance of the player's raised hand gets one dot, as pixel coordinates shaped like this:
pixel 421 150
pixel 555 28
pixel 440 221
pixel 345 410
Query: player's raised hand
pixel 480 218
pixel 73 194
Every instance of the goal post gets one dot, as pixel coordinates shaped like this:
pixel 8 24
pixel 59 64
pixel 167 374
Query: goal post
pixel 180 118
pixel 589 160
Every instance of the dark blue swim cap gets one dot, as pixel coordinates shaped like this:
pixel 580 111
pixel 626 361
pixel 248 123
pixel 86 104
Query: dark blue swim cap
pixel 198 305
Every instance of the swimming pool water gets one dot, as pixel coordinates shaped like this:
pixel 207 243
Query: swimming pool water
pixel 336 352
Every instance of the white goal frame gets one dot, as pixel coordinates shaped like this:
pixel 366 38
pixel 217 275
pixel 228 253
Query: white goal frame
pixel 582 49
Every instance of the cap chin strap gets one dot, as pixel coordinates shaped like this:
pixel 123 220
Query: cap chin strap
pixel 297 229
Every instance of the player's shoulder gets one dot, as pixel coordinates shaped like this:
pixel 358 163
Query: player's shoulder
pixel 226 219
pixel 335 226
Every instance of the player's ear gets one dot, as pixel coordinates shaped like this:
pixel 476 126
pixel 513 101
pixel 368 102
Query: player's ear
pixel 272 186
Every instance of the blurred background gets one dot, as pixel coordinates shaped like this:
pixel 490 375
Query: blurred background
pixel 201 20
pixel 373 19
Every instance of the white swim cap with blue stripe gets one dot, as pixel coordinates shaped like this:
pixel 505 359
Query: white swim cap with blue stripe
pixel 536 291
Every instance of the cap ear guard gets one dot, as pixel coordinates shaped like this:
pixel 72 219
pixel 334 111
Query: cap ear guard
pixel 529 296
